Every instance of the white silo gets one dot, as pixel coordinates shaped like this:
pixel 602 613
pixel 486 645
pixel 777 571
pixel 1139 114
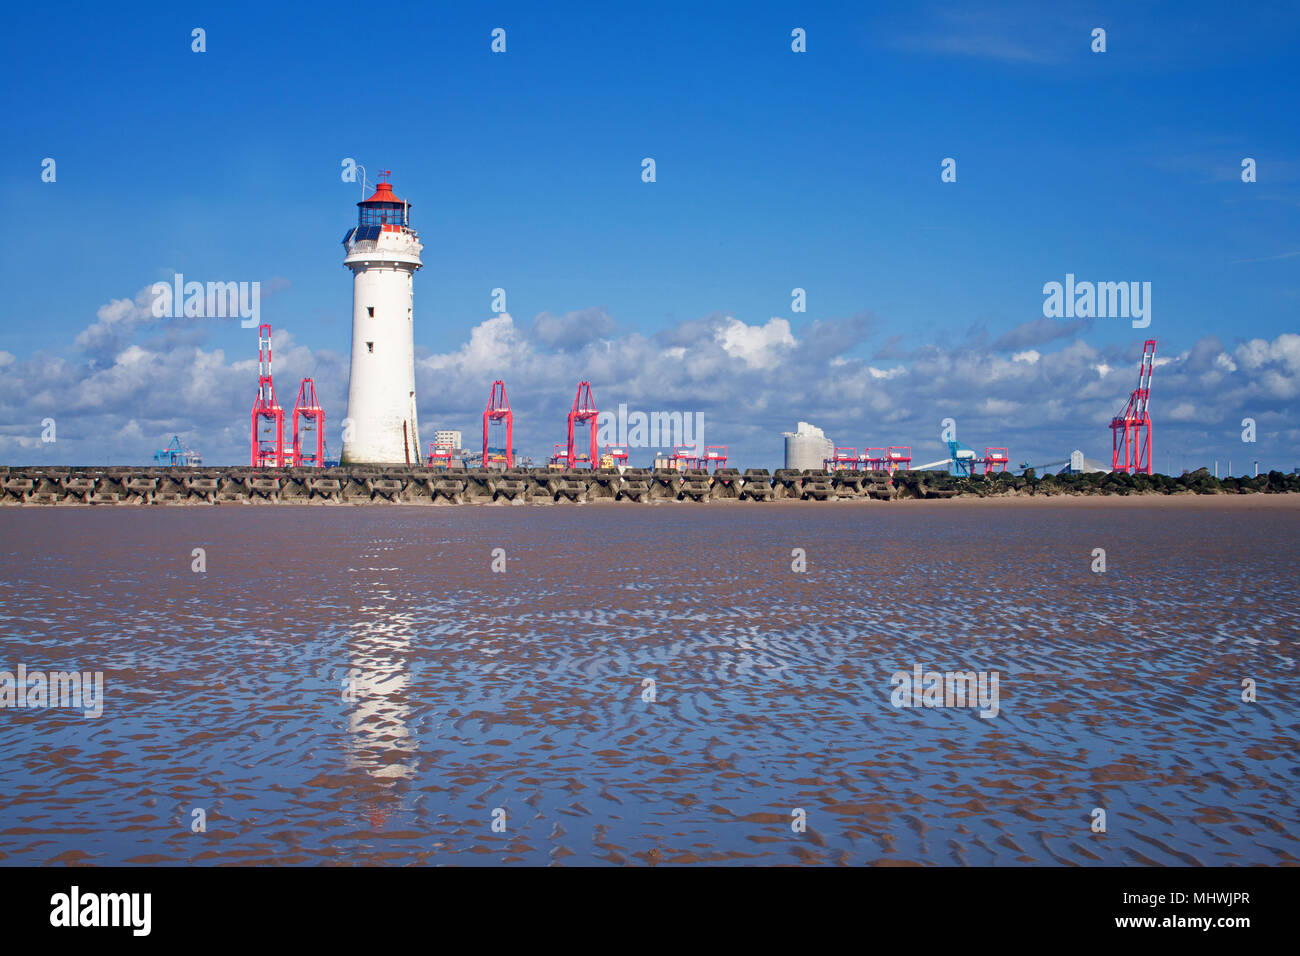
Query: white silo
pixel 807 447
pixel 383 252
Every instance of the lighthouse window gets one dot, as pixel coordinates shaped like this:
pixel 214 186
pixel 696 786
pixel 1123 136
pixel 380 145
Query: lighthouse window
pixel 370 311
pixel 370 346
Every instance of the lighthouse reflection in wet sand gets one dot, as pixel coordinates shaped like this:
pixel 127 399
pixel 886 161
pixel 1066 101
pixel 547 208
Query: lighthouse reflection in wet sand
pixel 383 252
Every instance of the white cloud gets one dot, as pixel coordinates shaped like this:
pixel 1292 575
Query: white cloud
pixel 758 346
pixel 998 406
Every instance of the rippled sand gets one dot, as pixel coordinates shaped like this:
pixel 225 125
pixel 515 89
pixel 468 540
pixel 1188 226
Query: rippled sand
pixel 523 691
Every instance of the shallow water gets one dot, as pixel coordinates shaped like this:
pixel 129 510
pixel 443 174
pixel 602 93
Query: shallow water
pixel 521 691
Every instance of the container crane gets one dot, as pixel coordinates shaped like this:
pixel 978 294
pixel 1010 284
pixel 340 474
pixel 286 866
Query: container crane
pixel 498 410
pixel 177 453
pixel 842 459
pixel 876 459
pixel 900 457
pixel 307 407
pixel 439 455
pixel 615 456
pixel 583 412
pixel 683 457
pixel 268 449
pixel 1131 428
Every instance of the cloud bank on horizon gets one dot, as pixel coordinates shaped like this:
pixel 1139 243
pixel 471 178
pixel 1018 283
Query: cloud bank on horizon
pixel 128 381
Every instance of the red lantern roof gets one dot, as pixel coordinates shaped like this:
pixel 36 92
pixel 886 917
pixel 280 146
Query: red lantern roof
pixel 383 193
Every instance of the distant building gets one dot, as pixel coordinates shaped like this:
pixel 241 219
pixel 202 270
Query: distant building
pixel 448 437
pixel 1080 465
pixel 807 447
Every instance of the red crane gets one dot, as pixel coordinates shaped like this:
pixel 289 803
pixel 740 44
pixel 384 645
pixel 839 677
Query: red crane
pixel 875 459
pixel 841 459
pixel 584 411
pixel 268 452
pixel 439 456
pixel 1131 428
pixel 683 457
pixel 307 407
pixel 995 460
pixel 498 410
pixel 715 455
pixel 900 457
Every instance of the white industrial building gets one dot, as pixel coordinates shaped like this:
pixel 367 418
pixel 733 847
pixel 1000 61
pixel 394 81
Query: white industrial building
pixel 807 447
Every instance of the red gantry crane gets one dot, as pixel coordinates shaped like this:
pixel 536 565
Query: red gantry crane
pixel 842 459
pixel 900 458
pixel 715 455
pixel 1131 428
pixel 996 460
pixel 307 407
pixel 268 451
pixel 498 410
pixel 683 458
pixel 439 455
pixel 874 459
pixel 583 412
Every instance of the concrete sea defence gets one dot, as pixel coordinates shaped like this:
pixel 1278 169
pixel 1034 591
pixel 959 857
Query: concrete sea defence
pixel 53 485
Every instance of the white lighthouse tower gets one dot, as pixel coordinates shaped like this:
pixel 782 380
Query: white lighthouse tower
pixel 383 252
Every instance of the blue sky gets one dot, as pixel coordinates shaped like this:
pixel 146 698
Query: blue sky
pixel 775 170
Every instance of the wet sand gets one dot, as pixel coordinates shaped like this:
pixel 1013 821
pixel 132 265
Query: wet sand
pixel 523 691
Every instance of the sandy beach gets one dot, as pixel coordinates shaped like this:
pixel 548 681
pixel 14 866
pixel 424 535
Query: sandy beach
pixel 359 685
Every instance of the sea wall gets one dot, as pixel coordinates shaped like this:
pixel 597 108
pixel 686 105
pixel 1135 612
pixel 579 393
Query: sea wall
pixel 118 485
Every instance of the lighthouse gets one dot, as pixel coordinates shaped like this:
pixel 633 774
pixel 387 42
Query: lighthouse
pixel 383 252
